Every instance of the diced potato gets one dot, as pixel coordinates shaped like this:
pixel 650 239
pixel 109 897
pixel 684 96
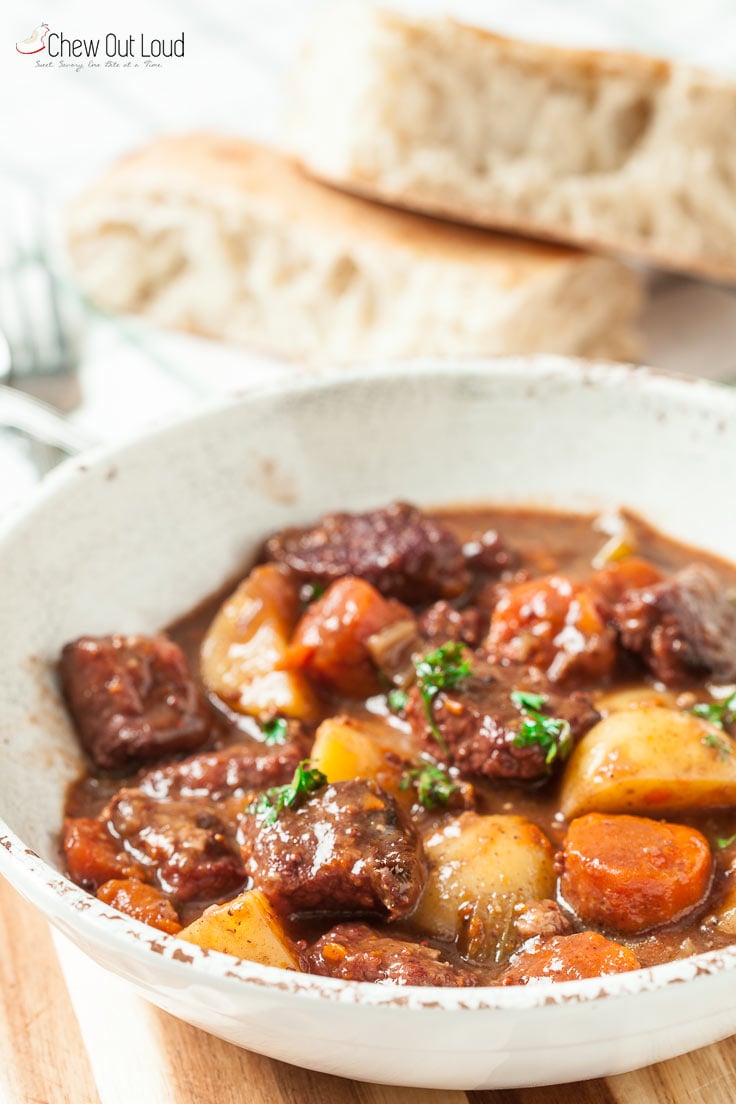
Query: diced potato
pixel 344 749
pixel 649 760
pixel 725 913
pixel 246 927
pixel 635 697
pixel 481 869
pixel 247 641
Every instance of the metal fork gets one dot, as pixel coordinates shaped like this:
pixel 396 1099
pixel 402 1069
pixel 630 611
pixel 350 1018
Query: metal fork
pixel 38 353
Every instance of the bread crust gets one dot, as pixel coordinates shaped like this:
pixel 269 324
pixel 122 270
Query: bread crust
pixel 650 177
pixel 228 239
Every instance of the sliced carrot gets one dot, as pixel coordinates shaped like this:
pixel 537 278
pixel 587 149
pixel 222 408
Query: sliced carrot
pixel 142 902
pixel 554 624
pixel 568 958
pixel 330 640
pixel 629 873
pixel 93 856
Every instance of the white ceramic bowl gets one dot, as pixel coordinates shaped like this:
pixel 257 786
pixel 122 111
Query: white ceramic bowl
pixel 132 537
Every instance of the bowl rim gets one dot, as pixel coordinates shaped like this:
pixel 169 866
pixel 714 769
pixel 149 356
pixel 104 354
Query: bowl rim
pixel 69 907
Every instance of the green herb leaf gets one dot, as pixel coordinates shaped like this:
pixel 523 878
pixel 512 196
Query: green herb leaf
pixel 719 743
pixel 275 731
pixel 552 734
pixel 310 592
pixel 397 700
pixel 432 782
pixel 720 713
pixel 270 804
pixel 443 669
pixel 524 699
pixel 723 843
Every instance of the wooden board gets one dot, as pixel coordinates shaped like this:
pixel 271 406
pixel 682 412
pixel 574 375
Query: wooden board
pixel 71 1034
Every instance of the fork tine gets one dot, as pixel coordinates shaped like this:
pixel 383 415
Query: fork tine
pixel 61 342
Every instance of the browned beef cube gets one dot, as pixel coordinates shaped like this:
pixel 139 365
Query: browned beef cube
pixel 397 548
pixel 489 554
pixel 132 698
pixel 442 622
pixel 483 732
pixel 185 846
pixel 682 627
pixel 348 848
pixel 231 771
pixel 356 952
pixel 542 918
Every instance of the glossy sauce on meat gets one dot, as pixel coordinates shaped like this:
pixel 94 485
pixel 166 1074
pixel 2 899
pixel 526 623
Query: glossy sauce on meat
pixel 523 602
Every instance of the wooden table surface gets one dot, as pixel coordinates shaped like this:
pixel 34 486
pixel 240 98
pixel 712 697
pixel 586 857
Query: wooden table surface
pixel 71 1034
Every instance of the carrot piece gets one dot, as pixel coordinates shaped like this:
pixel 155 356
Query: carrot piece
pixel 142 902
pixel 553 623
pixel 330 640
pixel 630 873
pixel 93 856
pixel 568 958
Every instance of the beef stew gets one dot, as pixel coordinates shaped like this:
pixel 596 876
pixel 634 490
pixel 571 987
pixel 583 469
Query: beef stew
pixel 477 747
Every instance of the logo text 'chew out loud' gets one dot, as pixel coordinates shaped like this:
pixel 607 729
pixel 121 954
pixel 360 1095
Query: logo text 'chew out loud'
pixel 59 45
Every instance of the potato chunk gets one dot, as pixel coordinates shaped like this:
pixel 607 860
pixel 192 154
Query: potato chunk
pixel 344 749
pixel 634 697
pixel 246 927
pixel 248 640
pixel 481 869
pixel 649 760
pixel 724 915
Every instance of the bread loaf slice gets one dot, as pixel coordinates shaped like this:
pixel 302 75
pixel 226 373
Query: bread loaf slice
pixel 602 149
pixel 228 239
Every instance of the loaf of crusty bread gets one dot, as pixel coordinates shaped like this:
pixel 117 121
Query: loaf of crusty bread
pixel 227 239
pixel 608 150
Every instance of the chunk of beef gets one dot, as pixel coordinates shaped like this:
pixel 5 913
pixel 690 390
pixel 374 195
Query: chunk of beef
pixel 442 622
pixel 231 771
pixel 489 554
pixel 132 698
pixel 348 848
pixel 542 918
pixel 397 548
pixel 92 856
pixel 682 627
pixel 184 845
pixel 356 952
pixel 555 625
pixel 482 729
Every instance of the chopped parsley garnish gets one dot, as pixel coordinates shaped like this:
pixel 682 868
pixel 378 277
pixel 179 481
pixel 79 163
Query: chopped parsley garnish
pixel 552 734
pixel 397 700
pixel 723 843
pixel 720 744
pixel 275 731
pixel 310 592
pixel 443 669
pixel 720 713
pixel 432 782
pixel 268 805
